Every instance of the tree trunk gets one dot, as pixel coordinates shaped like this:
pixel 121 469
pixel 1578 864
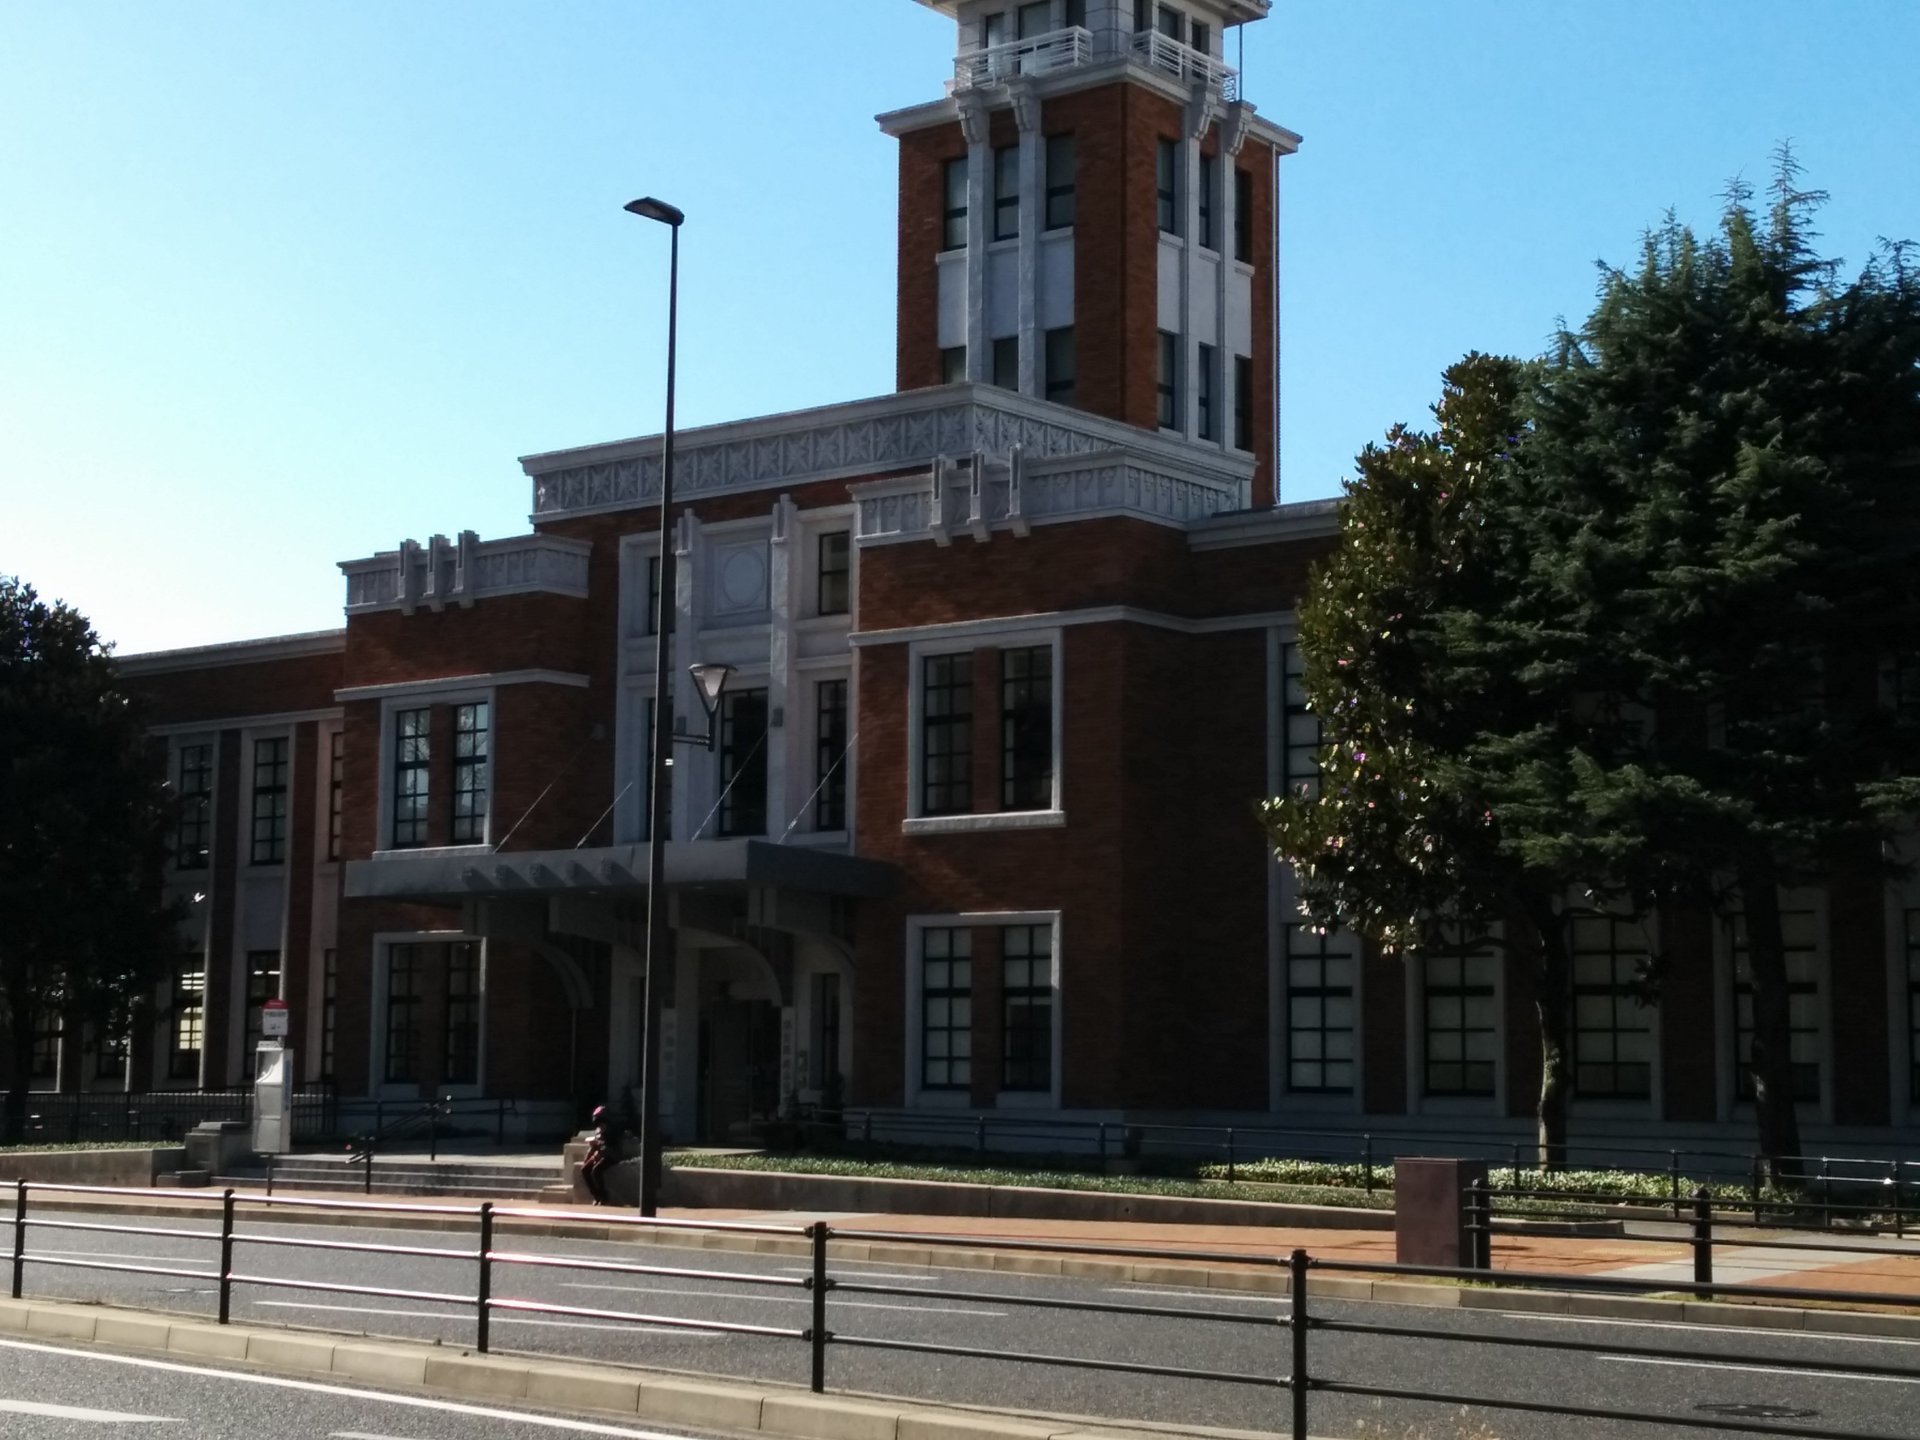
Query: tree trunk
pixel 1773 1101
pixel 1551 1005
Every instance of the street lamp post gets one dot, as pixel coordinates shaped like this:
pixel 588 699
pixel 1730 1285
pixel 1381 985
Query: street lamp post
pixel 659 936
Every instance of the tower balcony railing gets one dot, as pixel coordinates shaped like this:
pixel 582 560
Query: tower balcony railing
pixel 1170 56
pixel 1035 55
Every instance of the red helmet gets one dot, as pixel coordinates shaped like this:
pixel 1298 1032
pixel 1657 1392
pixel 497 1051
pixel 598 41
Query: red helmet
pixel 599 1113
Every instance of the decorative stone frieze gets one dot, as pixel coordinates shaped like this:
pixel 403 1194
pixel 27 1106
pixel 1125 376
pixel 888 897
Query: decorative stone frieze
pixel 464 570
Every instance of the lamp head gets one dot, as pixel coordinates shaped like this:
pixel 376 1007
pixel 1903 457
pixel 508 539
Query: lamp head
pixel 649 208
pixel 710 680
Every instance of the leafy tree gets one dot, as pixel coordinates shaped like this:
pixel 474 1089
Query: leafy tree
pixel 1724 514
pixel 1445 816
pixel 84 928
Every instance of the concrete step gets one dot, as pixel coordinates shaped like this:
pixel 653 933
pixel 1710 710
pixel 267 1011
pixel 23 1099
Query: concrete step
pixel 497 1182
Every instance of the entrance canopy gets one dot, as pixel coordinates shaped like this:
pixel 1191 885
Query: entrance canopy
pixel 701 864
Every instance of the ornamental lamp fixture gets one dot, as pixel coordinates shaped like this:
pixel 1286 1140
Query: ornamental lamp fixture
pixel 710 680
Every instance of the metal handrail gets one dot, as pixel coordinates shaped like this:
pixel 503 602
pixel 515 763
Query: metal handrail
pixel 1036 55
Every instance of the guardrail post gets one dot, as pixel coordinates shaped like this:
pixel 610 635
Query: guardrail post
pixel 500 1123
pixel 1673 1180
pixel 19 1236
pixel 817 1283
pixel 1230 1156
pixel 269 1172
pixel 226 1256
pixel 1513 1167
pixel 1479 1226
pixel 1297 1331
pixel 1755 1184
pixel 1703 1242
pixel 1826 1195
pixel 1899 1215
pixel 1101 1143
pixel 433 1130
pixel 979 1134
pixel 1366 1159
pixel 483 1295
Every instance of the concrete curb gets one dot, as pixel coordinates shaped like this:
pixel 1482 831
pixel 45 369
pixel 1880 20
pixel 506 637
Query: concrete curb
pixel 571 1385
pixel 1256 1277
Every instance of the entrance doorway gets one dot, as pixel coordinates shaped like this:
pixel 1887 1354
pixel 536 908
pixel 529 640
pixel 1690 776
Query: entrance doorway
pixel 739 1068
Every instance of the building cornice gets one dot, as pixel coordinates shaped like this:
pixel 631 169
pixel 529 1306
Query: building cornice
pixel 234 652
pixel 1048 620
pixel 459 572
pixel 1301 520
pixel 454 684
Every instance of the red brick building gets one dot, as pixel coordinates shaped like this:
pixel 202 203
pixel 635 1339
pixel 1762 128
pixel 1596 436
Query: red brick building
pixel 1013 662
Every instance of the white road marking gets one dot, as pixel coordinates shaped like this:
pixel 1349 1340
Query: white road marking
pixel 918 1279
pixel 1279 1300
pixel 33 1255
pixel 77 1412
pixel 1837 1373
pixel 1694 1328
pixel 499 1318
pixel 361 1435
pixel 787 1299
pixel 312 1387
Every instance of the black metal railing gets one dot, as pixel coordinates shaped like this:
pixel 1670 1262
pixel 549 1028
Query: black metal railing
pixel 484 1267
pixel 54 1118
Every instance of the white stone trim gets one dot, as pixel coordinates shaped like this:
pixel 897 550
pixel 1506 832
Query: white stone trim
pixel 1301 520
pixel 459 684
pixel 233 652
pixel 918 651
pixel 984 820
pixel 383 943
pixel 281 719
pixel 948 633
pixel 438 766
pixel 458 572
pixel 917 1098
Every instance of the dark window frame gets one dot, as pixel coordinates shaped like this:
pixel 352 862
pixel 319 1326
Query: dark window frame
pixel 953 364
pixel 830 699
pixel 743 762
pixel 187 1017
pixel 1006 192
pixel 400 1052
pixel 1243 215
pixel 1027 762
pixel 1243 403
pixel 833 577
pixel 463 995
pixel 193 822
pixel 1006 362
pixel 1209 182
pixel 954 218
pixel 1167 381
pixel 946 734
pixel 272 769
pixel 1062 200
pixel 329 1011
pixel 472 775
pixel 1205 399
pixel 412 776
pixel 1026 1008
pixel 946 1009
pixel 1446 978
pixel 336 791
pixel 263 984
pixel 1166 179
pixel 1060 383
pixel 1604 943
pixel 1316 993
pixel 1807 1074
pixel 1299 727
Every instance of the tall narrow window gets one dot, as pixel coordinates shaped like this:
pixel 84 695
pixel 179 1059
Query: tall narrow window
pixel 110 1057
pixel 1242 403
pixel 1913 1002
pixel 1026 728
pixel 46 1047
pixel 187 1018
pixel 743 762
pixel 953 364
pixel 1200 37
pixel 193 825
pixel 263 984
pixel 835 559
pixel 1209 195
pixel 270 801
pixel 946 756
pixel 1800 934
pixel 1169 381
pixel 1299 728
pixel 646 778
pixel 1060 365
pixel 1173 24
pixel 1026 1007
pixel 1006 363
pixel 1206 405
pixel 825 1029
pixel 1006 192
pixel 470 773
pixel 463 1013
pixel 1142 14
pixel 1076 14
pixel 1060 181
pixel 1612 1029
pixel 1032 19
pixel 329 1012
pixel 993 29
pixel 404 966
pixel 1243 215
pixel 650 622
pixel 953 234
pixel 412 752
pixel 830 755
pixel 336 790
pixel 1167 186
pixel 1319 1011
pixel 1462 1034
pixel 946 1009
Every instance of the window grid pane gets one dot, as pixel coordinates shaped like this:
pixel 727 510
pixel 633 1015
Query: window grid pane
pixel 1320 1017
pixel 1242 403
pixel 188 1018
pixel 1209 180
pixel 954 231
pixel 1203 392
pixel 412 749
pixel 743 762
pixel 1167 183
pixel 336 790
pixel 1300 737
pixel 1461 1032
pixel 463 1013
pixel 193 828
pixel 269 801
pixel 836 573
pixel 469 774
pixel 1026 998
pixel 1799 933
pixel 1243 215
pixel 263 984
pixel 1059 379
pixel 946 1009
pixel 946 757
pixel 1026 728
pixel 1612 1030
pixel 1006 192
pixel 329 1011
pixel 1060 182
pixel 830 755
pixel 404 966
pixel 1169 381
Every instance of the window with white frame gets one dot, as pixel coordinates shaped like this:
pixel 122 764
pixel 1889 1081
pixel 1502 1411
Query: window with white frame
pixel 1026 728
pixel 1800 934
pixel 270 769
pixel 1026 1007
pixel 1320 1013
pixel 406 964
pixel 953 234
pixel 830 754
pixel 1612 1024
pixel 1299 728
pixel 834 573
pixel 946 734
pixel 1060 182
pixel 263 984
pixel 412 778
pixel 1006 192
pixel 1459 1010
pixel 186 1025
pixel 946 1008
pixel 336 790
pixel 743 762
pixel 193 821
pixel 462 1013
pixel 469 774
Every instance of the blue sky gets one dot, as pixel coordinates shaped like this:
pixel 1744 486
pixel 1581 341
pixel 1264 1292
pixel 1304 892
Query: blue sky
pixel 282 284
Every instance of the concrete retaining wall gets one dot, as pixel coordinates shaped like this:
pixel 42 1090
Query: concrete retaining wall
pixel 91 1167
pixel 775 1190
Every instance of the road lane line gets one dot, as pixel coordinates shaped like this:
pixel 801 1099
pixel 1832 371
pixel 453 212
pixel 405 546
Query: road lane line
pixel 1279 1300
pixel 381 1397
pixel 788 1299
pixel 918 1279
pixel 1696 1328
pixel 78 1412
pixel 498 1319
pixel 33 1255
pixel 1837 1373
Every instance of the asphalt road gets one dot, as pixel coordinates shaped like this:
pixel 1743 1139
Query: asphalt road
pixel 1454 1351
pixel 63 1392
